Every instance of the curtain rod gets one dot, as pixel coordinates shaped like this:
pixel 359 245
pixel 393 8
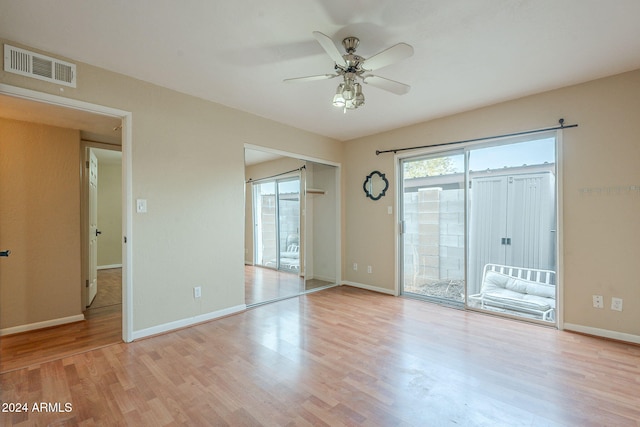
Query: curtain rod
pixel 278 174
pixel 526 132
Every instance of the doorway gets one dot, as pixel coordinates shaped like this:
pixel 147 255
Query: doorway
pixel 433 218
pixel 23 104
pixel 479 227
pixel 102 212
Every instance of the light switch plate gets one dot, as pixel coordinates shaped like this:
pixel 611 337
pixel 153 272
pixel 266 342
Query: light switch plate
pixel 141 205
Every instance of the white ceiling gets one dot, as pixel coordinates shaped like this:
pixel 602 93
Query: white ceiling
pixel 468 53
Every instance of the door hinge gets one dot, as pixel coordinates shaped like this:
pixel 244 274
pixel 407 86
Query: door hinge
pixel 401 227
pixel 86 283
pixel 86 164
pixel 125 239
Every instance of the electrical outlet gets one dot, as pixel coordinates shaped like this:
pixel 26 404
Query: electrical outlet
pixel 369 269
pixel 197 292
pixel 355 266
pixel 616 304
pixel 598 301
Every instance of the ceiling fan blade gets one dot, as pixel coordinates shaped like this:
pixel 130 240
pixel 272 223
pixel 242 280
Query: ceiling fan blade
pixel 310 78
pixel 386 84
pixel 388 56
pixel 330 47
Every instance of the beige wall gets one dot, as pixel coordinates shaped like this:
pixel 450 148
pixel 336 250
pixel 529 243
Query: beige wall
pixel 39 222
pixel 109 214
pixel 601 232
pixel 188 162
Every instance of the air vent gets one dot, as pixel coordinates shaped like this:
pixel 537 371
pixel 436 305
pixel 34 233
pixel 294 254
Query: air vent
pixel 42 67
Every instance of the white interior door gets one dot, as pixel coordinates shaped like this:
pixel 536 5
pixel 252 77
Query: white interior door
pixel 93 228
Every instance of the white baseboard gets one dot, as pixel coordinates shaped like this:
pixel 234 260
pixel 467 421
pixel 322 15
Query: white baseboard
pixel 369 287
pixel 40 325
pixel 178 324
pixel 620 336
pixel 106 267
pixel 324 278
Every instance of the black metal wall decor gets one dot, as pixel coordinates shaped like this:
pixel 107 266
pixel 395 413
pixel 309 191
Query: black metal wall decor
pixel 375 185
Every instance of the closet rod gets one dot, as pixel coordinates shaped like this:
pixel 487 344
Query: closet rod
pixel 526 132
pixel 278 174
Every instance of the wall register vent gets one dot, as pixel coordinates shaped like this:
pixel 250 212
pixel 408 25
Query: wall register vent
pixel 37 66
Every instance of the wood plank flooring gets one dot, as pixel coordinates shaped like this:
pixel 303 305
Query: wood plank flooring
pixel 341 357
pixel 102 326
pixel 109 288
pixel 265 284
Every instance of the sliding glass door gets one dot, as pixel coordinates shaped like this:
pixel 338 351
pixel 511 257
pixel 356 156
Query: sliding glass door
pixel 289 225
pixel 433 238
pixel 512 229
pixel 277 224
pixel 478 227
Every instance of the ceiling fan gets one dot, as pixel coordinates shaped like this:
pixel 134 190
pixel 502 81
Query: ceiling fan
pixel 352 67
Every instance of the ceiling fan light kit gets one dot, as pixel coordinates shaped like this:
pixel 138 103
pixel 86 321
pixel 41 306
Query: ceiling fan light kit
pixel 349 95
pixel 352 67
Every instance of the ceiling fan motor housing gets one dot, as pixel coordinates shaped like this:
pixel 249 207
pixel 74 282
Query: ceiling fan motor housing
pixel 350 44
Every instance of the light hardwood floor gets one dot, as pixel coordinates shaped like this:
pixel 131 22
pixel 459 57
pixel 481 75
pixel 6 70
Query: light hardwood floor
pixel 102 326
pixel 265 284
pixel 342 356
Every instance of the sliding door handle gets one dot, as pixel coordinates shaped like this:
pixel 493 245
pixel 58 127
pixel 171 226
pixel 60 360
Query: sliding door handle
pixel 5 253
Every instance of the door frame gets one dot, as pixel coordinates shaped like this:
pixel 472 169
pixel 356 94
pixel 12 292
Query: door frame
pixel 127 188
pixel 559 184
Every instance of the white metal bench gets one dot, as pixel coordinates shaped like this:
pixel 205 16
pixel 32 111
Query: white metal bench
pixel 526 290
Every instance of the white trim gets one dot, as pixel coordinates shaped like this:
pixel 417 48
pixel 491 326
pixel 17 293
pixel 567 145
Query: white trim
pixel 323 278
pixel 370 288
pixel 190 321
pixel 604 333
pixel 127 228
pixel 127 194
pixel 40 325
pixel 397 212
pixel 107 267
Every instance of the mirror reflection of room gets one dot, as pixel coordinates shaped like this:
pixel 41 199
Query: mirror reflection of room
pixel 290 227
